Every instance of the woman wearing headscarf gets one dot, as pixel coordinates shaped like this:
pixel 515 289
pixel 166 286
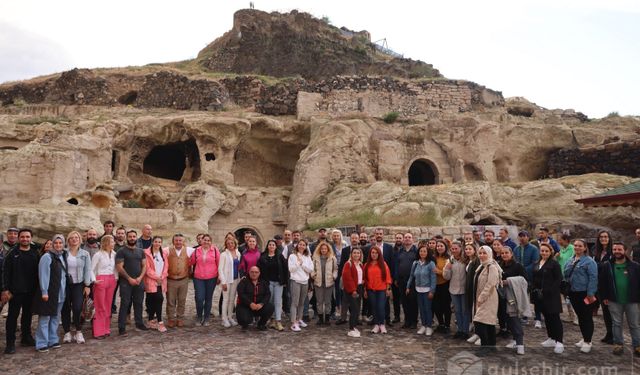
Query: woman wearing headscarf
pixel 52 275
pixel 485 307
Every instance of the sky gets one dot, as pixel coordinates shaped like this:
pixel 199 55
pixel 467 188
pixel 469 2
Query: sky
pixel 579 54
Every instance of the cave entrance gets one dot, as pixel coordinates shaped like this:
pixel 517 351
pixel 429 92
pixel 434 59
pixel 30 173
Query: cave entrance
pixel 422 172
pixel 178 161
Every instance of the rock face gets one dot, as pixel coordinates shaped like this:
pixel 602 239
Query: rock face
pixel 284 45
pixel 188 150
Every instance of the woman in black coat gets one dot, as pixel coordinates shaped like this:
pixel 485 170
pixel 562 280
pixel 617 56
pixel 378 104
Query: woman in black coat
pixel 510 268
pixel 546 295
pixel 274 269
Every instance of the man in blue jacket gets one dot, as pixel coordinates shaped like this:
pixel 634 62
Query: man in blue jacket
pixel 526 254
pixel 618 281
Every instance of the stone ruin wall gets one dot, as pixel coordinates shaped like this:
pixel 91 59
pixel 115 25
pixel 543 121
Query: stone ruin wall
pixel 616 158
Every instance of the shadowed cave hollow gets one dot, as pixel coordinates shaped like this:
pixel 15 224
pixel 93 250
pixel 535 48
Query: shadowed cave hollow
pixel 422 173
pixel 174 161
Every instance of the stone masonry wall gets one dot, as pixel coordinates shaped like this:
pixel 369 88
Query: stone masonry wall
pixel 617 158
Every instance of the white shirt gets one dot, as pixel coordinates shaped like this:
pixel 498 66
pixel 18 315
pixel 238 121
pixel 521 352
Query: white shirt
pixel 104 264
pixel 72 267
pixel 158 262
pixel 359 270
pixel 190 251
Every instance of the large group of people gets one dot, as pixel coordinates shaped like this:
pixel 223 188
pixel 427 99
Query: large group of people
pixel 491 285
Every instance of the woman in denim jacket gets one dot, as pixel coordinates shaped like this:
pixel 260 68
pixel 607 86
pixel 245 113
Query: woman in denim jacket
pixel 581 272
pixel 423 273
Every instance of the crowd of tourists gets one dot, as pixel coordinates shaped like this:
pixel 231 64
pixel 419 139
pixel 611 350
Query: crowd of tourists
pixel 491 285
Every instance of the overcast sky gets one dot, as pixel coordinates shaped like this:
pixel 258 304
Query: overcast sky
pixel 581 54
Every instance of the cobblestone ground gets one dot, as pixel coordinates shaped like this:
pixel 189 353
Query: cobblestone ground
pixel 215 349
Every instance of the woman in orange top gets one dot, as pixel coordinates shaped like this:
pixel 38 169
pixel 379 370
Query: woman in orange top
pixel 377 283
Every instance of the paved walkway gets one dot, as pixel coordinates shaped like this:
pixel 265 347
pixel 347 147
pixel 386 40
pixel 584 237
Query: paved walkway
pixel 214 349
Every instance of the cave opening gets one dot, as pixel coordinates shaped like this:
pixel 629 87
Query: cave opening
pixel 422 173
pixel 129 98
pixel 179 161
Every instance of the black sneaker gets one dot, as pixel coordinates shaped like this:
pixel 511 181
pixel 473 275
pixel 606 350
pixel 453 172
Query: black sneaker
pixel 28 341
pixel 43 350
pixel 395 320
pixel 55 346
pixel 262 328
pixel 10 349
pixel 141 327
pixel 122 333
pixel 341 322
pixel 306 319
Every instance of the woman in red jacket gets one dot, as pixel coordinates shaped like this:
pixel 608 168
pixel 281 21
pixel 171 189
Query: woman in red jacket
pixel 352 281
pixel 377 284
pixel 155 282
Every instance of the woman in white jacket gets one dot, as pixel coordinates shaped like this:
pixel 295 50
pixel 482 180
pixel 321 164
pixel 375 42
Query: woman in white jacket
pixel 229 277
pixel 300 267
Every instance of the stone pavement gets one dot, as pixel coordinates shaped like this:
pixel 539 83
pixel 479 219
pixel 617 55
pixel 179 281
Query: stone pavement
pixel 214 349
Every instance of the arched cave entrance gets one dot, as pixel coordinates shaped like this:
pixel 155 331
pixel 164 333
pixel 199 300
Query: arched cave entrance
pixel 174 161
pixel 422 172
pixel 239 233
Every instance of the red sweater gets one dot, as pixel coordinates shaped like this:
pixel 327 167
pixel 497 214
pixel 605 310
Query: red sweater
pixel 373 277
pixel 350 277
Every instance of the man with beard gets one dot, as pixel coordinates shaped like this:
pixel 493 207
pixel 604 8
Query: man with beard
pixel 131 265
pixel 322 237
pixel 177 280
pixel 618 281
pixel 364 246
pixel 108 228
pixel 92 245
pixel 120 237
pixel 477 238
pixel 20 283
pixel 544 237
pixel 397 246
pixel 354 239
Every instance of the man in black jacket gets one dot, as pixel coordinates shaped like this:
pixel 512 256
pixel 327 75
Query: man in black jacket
pixel 253 300
pixel 19 285
pixel 618 287
pixel 635 248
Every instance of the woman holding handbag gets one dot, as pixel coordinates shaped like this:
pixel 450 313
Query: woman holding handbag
pixel 581 272
pixel 79 268
pixel 546 291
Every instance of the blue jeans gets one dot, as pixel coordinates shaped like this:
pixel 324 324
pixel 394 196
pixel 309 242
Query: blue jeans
pixel 377 300
pixel 463 315
pixel 47 332
pixel 276 297
pixel 632 311
pixel 424 305
pixel 204 295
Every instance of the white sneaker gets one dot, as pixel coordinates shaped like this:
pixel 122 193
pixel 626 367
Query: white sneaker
pixel 422 330
pixel 226 323
pixel 302 324
pixel 511 345
pixel 383 329
pixel 376 329
pixel 79 338
pixel 67 337
pixel 559 348
pixel 548 343
pixel 538 324
pixel 580 343
pixel 472 339
pixel 354 333
pixel 586 347
pixel 295 328
pixel 428 331
pixel 233 322
pixel 520 349
pixel 478 342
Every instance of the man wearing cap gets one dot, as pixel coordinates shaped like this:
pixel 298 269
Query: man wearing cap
pixel 19 285
pixel 526 254
pixel 279 243
pixel 322 237
pixel 544 237
pixel 10 241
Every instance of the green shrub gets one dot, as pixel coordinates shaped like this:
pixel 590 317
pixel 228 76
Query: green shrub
pixel 41 119
pixel 131 203
pixel 391 117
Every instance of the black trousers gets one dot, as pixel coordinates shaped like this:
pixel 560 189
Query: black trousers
pixel 395 291
pixel 409 304
pixel 486 332
pixel 130 294
pixel 584 313
pixel 73 304
pixel 503 317
pixel 608 322
pixel 442 305
pixel 554 326
pixel 245 315
pixel 354 307
pixel 19 301
pixel 154 304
